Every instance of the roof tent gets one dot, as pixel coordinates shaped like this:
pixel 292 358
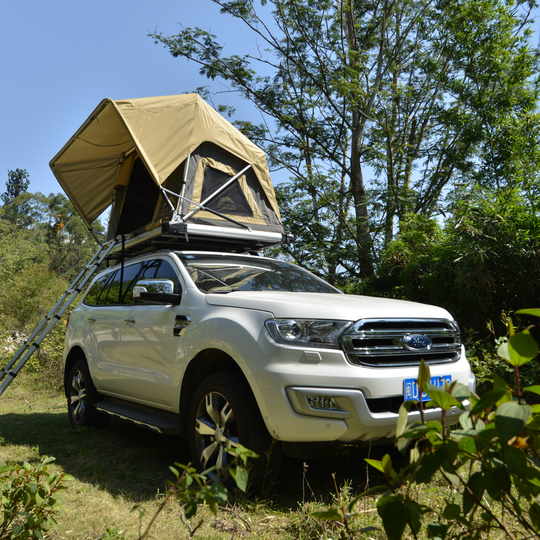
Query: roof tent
pixel 173 170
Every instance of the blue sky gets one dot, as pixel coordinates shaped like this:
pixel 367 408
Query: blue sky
pixel 61 58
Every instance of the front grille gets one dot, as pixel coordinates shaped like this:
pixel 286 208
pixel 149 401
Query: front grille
pixel 402 342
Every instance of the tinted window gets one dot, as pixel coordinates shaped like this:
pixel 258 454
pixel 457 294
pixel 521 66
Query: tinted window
pixel 155 269
pixel 225 273
pixel 132 273
pixel 97 296
pixel 116 288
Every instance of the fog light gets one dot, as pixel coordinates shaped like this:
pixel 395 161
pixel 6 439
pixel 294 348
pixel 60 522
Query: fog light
pixel 322 402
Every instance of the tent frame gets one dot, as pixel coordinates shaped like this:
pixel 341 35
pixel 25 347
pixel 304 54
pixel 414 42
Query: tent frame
pixel 202 206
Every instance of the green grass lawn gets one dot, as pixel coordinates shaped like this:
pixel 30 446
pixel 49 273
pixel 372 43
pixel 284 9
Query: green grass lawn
pixel 120 466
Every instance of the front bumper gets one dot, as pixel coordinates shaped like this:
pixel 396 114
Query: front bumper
pixel 288 390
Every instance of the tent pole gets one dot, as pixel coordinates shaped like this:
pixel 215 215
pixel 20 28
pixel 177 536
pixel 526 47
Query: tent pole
pixel 201 206
pixel 184 184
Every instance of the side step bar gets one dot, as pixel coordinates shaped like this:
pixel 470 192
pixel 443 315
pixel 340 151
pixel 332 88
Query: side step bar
pixel 161 422
pixel 12 368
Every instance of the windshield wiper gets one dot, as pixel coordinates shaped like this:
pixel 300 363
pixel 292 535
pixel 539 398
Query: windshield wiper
pixel 224 291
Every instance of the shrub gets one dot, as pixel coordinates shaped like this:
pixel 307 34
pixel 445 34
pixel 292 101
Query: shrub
pixel 477 266
pixel 495 453
pixel 29 499
pixel 33 293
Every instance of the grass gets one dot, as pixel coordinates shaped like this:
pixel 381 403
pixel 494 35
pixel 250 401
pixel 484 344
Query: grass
pixel 120 466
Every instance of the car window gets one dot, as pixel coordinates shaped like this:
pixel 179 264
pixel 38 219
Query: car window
pixel 97 296
pixel 162 270
pixel 214 273
pixel 116 288
pixel 132 273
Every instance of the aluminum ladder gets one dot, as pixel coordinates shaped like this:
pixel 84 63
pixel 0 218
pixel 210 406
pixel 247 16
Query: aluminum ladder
pixel 12 368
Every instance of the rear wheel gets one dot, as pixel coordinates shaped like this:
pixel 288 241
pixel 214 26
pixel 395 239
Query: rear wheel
pixel 82 397
pixel 223 414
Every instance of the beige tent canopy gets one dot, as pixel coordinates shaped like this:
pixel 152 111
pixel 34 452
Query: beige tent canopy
pixel 171 157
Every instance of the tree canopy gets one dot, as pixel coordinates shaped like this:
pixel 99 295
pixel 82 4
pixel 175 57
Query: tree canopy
pixel 17 183
pixel 378 110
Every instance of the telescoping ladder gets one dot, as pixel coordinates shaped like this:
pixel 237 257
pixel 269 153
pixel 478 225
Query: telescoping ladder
pixel 12 368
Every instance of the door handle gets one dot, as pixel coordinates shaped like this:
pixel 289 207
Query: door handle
pixel 91 319
pixel 181 322
pixel 129 321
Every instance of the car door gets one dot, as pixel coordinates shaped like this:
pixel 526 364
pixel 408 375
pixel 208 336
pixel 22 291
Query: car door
pixel 148 343
pixel 100 320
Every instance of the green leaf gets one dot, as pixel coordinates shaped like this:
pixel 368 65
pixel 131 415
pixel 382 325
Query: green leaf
pixel 375 464
pixel 212 504
pixel 402 419
pixel 241 478
pixel 452 512
pixel 190 509
pixel 522 348
pixel 387 466
pixel 534 513
pixel 476 486
pixel 535 389
pixel 429 464
pixel 516 461
pixel 414 516
pixel 504 351
pixel 393 515
pixel 465 421
pixel 486 401
pixel 524 487
pixel 442 399
pixel 424 376
pixel 436 530
pixel 333 514
pixel 497 482
pixel 461 392
pixel 468 444
pixel 531 311
pixel 511 418
pixel 220 491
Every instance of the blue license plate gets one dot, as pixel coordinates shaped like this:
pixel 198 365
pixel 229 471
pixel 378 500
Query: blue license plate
pixel 410 387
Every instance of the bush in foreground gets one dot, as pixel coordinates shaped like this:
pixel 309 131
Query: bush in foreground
pixel 495 453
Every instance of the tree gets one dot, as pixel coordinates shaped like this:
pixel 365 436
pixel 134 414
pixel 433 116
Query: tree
pixel 71 243
pixel 18 182
pixel 478 265
pixel 376 108
pixel 53 221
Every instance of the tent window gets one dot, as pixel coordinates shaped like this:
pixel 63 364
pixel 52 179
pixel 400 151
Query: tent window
pixel 229 201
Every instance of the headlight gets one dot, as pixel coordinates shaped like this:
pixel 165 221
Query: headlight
pixel 306 332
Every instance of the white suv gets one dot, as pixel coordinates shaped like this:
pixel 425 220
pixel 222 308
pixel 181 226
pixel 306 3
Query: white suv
pixel 224 349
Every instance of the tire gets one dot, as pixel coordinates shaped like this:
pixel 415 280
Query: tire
pixel 223 414
pixel 82 397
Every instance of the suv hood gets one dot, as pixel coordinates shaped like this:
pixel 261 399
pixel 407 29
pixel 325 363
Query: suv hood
pixel 326 306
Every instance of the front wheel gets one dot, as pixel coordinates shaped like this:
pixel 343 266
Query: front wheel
pixel 223 414
pixel 82 397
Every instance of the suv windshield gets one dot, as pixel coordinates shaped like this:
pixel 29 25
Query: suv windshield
pixel 215 273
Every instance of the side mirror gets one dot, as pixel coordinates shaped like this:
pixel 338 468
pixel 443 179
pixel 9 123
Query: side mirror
pixel 156 291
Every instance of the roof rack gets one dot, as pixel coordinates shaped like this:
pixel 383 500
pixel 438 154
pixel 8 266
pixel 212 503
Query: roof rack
pixel 179 235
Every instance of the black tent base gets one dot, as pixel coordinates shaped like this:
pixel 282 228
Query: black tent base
pixel 182 236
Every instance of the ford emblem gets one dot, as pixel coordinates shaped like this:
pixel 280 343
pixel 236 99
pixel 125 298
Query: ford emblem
pixel 416 342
